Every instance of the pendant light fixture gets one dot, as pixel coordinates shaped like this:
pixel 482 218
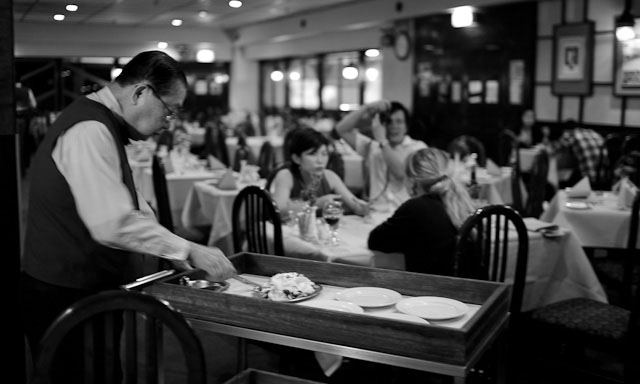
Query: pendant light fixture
pixel 625 24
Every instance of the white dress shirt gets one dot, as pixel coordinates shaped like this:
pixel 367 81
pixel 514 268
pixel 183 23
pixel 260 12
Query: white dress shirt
pixel 87 157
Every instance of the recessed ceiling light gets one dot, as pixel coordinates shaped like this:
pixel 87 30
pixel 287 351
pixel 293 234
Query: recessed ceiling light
pixel 162 45
pixel 58 17
pixel 235 3
pixel 372 52
pixel 203 14
pixel 205 56
pixel 176 22
pixel 71 7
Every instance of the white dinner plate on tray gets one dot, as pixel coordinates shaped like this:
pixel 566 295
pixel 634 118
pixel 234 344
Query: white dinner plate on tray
pixel 432 307
pixel 577 205
pixel 369 297
pixel 334 305
pixel 400 316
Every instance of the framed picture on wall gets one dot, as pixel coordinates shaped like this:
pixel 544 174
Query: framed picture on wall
pixel 627 65
pixel 572 59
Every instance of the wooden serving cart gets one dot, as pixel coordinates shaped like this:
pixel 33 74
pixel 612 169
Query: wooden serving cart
pixel 426 347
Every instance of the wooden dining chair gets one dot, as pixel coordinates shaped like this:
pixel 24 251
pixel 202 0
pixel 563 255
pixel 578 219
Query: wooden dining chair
pixel 618 270
pixel 482 249
pixel 161 191
pixel 118 336
pixel 254 210
pixel 536 186
pixel 561 332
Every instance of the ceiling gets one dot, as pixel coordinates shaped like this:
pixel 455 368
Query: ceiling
pixel 157 13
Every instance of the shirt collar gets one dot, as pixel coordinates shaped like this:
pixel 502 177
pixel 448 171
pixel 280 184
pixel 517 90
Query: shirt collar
pixel 105 97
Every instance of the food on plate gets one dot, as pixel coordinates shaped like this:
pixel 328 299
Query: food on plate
pixel 287 286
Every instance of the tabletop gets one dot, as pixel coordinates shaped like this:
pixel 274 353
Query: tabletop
pixel 597 221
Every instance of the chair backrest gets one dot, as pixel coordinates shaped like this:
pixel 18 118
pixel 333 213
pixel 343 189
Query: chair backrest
pixel 482 249
pixel 516 184
pixel 215 144
pixel 253 209
pixel 266 159
pixel 116 323
pixel 161 191
pixel 536 187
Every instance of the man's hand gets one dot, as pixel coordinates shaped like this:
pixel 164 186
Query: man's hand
pixel 212 261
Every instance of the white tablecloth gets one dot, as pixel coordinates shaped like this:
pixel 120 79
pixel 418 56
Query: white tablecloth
pixel 207 205
pixel 603 225
pixel 493 188
pixel 557 268
pixel 178 185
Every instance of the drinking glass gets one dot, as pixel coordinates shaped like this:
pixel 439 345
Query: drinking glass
pixel 332 212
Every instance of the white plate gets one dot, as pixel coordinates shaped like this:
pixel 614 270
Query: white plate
pixel 577 205
pixel 369 297
pixel 432 307
pixel 334 305
pixel 400 316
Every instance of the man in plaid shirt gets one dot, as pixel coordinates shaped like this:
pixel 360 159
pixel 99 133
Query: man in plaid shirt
pixel 583 145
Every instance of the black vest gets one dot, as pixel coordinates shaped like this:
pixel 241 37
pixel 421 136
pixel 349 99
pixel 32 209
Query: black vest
pixel 58 246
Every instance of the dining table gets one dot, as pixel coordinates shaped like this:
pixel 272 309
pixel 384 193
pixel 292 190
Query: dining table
pixel 597 220
pixel 208 205
pixel 495 188
pixel 557 269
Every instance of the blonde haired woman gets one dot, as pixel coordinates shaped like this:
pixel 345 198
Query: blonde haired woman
pixel 424 228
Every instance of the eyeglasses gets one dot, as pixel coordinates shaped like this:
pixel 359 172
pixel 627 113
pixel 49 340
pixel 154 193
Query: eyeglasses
pixel 171 114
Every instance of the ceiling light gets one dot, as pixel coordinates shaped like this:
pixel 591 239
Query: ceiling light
pixel 58 17
pixel 162 45
pixel 205 56
pixel 235 3
pixel 176 22
pixel 221 78
pixel 625 24
pixel 462 17
pixel 295 76
pixel 277 75
pixel 71 7
pixel 350 72
pixel 203 14
pixel 372 52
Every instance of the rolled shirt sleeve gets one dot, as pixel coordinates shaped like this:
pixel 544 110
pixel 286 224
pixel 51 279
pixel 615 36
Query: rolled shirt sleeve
pixel 87 157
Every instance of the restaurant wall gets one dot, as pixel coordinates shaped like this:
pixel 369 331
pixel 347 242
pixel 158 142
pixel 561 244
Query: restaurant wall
pixel 602 108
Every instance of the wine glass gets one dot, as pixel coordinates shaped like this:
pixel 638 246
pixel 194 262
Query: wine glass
pixel 332 212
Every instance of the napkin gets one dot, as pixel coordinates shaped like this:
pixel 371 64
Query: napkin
pixel 328 362
pixel 227 181
pixel 214 163
pixel 493 169
pixel 581 189
pixel 626 193
pixel 535 225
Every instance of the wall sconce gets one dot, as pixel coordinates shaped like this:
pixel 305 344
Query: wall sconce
pixel 462 17
pixel 625 24
pixel 350 72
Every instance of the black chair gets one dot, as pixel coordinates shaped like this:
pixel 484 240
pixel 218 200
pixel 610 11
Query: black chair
pixel 482 249
pixel 215 144
pixel 536 186
pixel 617 270
pixel 516 187
pixel 253 209
pixel 118 336
pixel 160 189
pixel 561 333
pixel 609 155
pixel 266 159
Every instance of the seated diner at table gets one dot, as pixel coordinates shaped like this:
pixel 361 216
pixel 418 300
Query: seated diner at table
pixel 307 177
pixel 385 151
pixel 425 227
